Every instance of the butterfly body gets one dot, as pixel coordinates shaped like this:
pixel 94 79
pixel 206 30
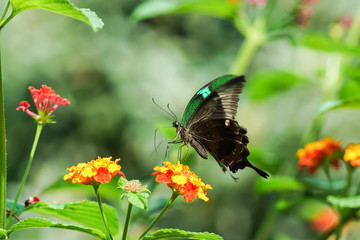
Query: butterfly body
pixel 209 124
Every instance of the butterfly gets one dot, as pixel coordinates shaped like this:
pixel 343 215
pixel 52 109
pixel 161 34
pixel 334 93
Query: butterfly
pixel 209 125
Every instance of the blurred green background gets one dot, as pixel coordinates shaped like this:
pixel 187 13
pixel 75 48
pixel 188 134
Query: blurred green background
pixel 110 78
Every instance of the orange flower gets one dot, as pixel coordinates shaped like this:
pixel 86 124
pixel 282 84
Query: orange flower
pixel 101 170
pixel 180 178
pixel 324 220
pixel 352 154
pixel 46 101
pixel 316 152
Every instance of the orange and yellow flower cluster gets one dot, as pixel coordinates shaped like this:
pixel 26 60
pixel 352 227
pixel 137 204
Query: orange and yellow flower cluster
pixel 181 179
pixel 101 170
pixel 352 154
pixel 312 156
pixel 46 101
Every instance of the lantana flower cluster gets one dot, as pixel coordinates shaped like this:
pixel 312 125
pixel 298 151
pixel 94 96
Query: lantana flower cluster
pixel 313 155
pixel 101 170
pixel 46 102
pixel 179 178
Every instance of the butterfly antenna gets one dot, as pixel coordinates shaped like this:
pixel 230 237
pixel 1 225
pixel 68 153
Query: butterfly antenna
pixel 171 114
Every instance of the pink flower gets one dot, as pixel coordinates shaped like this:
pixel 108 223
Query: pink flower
pixel 260 3
pixel 46 101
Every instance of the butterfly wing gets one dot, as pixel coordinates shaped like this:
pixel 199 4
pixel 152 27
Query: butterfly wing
pixel 217 99
pixel 210 121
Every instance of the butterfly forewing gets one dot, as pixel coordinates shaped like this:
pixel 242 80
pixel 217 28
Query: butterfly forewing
pixel 217 99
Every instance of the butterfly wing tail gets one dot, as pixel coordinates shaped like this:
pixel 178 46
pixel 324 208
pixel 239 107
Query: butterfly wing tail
pixel 259 171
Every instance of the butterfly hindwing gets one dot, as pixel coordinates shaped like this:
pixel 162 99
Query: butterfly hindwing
pixel 224 139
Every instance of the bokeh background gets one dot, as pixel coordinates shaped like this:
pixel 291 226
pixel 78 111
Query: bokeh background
pixel 111 76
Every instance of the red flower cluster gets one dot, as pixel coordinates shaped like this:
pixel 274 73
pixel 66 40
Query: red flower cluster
pixel 46 101
pixel 305 12
pixel 324 220
pixel 315 153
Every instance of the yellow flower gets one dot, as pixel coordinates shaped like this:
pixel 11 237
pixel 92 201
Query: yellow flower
pixel 101 170
pixel 352 154
pixel 180 178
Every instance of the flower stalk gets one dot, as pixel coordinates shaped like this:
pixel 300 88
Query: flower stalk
pixel 3 166
pixel 174 195
pixel 127 221
pixel 32 153
pixel 98 198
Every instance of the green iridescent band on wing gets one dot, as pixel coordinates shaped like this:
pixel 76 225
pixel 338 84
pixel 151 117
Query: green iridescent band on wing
pixel 200 96
pixel 220 81
pixel 189 110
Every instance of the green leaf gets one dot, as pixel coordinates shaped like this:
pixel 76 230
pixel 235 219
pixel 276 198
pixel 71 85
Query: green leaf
pixel 63 7
pixel 344 202
pixel 155 8
pixel 176 233
pixel 324 184
pixel 265 84
pixel 139 200
pixel 350 89
pixel 278 183
pixel 86 213
pixel 339 104
pixel 44 223
pixel 18 209
pixel 323 43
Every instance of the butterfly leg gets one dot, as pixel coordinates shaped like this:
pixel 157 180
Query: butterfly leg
pixel 224 169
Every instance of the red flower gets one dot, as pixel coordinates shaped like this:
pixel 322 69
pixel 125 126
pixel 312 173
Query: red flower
pixel 46 101
pixel 31 200
pixel 324 220
pixel 315 153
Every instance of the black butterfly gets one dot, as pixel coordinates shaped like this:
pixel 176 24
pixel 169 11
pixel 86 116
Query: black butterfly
pixel 209 124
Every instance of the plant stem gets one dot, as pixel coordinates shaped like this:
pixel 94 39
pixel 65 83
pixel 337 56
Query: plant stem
pixel 5 11
pixel 127 221
pixel 254 37
pixel 98 198
pixel 172 199
pixel 348 179
pixel 2 154
pixel 32 153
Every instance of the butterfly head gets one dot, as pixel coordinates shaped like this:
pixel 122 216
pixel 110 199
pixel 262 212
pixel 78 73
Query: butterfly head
pixel 176 124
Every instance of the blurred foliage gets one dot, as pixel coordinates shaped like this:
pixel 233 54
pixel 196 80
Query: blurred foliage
pixel 110 78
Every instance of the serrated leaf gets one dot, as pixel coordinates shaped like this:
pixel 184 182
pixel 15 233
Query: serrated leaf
pixel 339 104
pixel 176 233
pixel 44 223
pixel 344 202
pixel 63 7
pixel 155 8
pixel 278 183
pixel 268 83
pixel 324 43
pixel 86 213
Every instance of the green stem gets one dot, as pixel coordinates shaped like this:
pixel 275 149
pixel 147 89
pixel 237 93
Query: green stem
pixel 5 11
pixel 244 56
pixel 172 199
pixel 2 154
pixel 32 153
pixel 98 198
pixel 350 171
pixel 328 176
pixel 127 221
